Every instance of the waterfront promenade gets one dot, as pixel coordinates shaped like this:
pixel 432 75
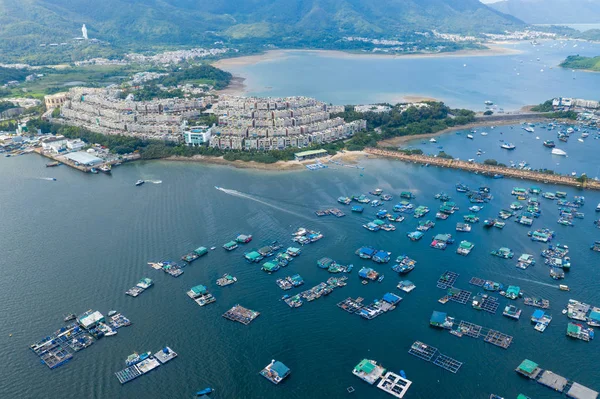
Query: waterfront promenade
pixel 486 169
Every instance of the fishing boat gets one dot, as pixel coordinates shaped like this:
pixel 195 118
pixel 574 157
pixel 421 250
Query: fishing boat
pixel 139 182
pixel 470 136
pixel 105 169
pixel 204 392
pixel 135 358
pixel 559 152
pixel 52 164
pixel 94 171
pixel 549 144
pixel 461 188
pixel 529 129
pixel 432 140
pixel 508 146
pixel 112 313
pixel 484 133
pixel 70 317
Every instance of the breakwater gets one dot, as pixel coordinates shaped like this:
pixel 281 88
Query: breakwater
pixel 486 169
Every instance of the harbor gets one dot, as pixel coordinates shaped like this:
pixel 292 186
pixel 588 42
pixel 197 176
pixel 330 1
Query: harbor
pixel 263 293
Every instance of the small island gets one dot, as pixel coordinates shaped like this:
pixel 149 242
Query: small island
pixel 580 62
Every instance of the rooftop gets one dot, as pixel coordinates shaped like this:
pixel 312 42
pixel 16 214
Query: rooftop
pixel 83 158
pixel 578 391
pixel 310 152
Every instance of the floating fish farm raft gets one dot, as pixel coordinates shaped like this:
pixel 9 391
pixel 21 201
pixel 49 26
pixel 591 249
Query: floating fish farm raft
pixel 140 287
pixel 476 281
pixel 241 314
pixel 394 384
pixel 171 268
pixel 331 211
pixel 431 354
pixel 490 336
pixel 323 289
pixel 537 302
pixel 486 303
pixel 369 312
pixel 447 280
pixel 58 348
pixel 531 370
pixel 145 366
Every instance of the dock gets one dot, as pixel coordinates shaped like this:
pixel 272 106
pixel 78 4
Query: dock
pixel 394 384
pixel 431 354
pixel 488 170
pixel 241 315
pixel 554 381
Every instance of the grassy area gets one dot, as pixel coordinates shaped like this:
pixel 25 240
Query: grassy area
pixel 61 79
pixel 579 62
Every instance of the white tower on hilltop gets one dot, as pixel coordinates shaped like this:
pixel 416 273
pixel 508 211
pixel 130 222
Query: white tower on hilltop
pixel 84 32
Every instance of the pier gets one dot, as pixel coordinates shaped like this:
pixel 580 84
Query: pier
pixel 486 169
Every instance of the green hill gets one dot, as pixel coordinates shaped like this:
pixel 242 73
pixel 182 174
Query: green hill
pixel 579 62
pixel 25 24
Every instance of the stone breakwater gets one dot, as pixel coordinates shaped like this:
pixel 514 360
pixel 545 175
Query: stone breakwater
pixel 486 169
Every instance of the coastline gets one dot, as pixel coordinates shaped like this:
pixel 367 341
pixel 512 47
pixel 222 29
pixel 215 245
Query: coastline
pixel 493 49
pixel 348 157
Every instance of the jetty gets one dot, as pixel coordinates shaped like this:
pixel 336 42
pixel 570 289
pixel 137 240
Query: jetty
pixel 486 169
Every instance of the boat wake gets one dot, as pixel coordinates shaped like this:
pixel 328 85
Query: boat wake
pixel 154 181
pixel 48 178
pixel 535 281
pixel 239 194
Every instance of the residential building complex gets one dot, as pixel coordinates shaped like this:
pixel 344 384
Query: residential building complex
pixel 103 111
pixel 250 123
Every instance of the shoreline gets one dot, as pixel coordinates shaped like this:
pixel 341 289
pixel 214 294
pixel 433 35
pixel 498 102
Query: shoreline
pixel 493 49
pixel 396 141
pixel 348 157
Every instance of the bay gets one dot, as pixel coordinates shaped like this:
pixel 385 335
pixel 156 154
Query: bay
pixel 81 241
pixel 511 81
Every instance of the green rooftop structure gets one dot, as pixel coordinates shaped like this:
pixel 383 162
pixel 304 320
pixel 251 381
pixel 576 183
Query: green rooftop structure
pixel 230 246
pixel 301 156
pixel 253 256
pixel 270 267
pixel 512 292
pixel 197 291
pixel 368 371
pixel 529 369
pixel 200 251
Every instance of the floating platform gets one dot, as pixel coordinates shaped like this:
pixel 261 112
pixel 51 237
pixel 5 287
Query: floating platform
pixel 241 315
pixel 429 353
pixel 394 384
pixel 128 374
pixel 499 339
pixel 476 281
pixel 164 355
pixel 458 295
pixel 578 391
pixel 554 381
pixel 489 304
pixel 447 280
pixel 351 305
pixel 490 336
pixel 146 365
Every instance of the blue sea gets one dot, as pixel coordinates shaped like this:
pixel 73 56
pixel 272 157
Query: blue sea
pixel 511 81
pixel 79 242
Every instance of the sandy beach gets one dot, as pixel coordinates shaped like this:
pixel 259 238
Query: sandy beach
pixel 492 50
pixel 346 157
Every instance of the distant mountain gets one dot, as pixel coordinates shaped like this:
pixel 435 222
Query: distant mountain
pixel 551 11
pixel 26 23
